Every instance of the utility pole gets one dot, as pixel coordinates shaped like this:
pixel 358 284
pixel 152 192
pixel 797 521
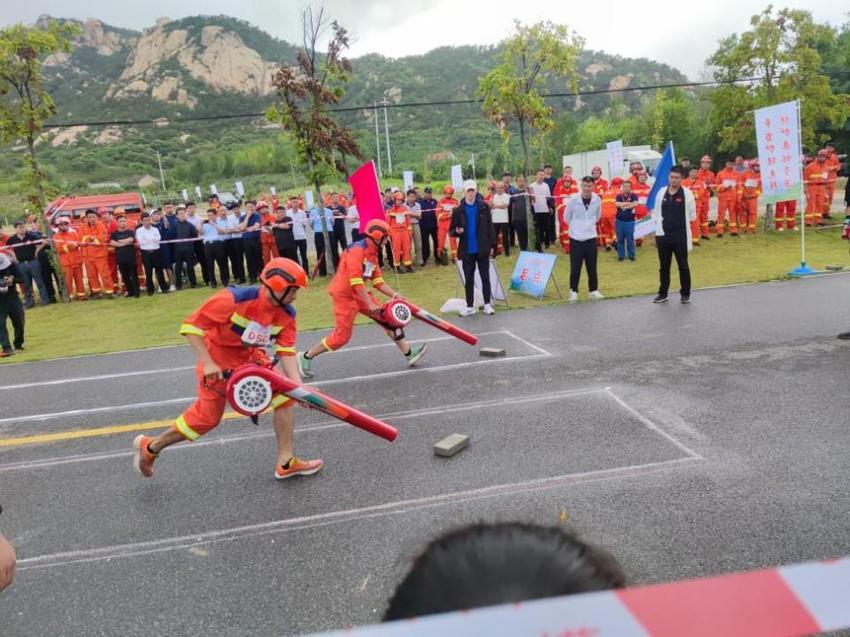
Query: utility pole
pixel 161 175
pixel 378 142
pixel 387 132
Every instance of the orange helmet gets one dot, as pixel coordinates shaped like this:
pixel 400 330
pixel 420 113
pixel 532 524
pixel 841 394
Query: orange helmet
pixel 376 230
pixel 448 190
pixel 280 274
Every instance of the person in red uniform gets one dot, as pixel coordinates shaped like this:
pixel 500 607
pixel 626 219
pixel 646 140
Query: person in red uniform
pixel 565 188
pixel 750 193
pixel 95 240
pixel 230 329
pixel 641 191
pixel 600 184
pixel 358 264
pixel 107 218
pixel 698 189
pixel 727 182
pixel 606 225
pixel 445 253
pixel 816 178
pixel 398 218
pixel 67 241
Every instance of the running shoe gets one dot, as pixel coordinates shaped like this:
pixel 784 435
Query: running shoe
pixel 142 458
pixel 416 352
pixel 298 467
pixel 488 309
pixel 304 365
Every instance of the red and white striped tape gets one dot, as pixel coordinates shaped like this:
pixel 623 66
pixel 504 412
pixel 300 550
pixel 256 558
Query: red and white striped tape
pixel 780 602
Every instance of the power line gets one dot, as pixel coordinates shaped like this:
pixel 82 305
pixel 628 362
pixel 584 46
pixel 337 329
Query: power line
pixel 347 109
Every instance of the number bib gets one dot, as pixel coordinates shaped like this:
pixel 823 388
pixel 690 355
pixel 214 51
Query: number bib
pixel 368 269
pixel 399 219
pixel 256 335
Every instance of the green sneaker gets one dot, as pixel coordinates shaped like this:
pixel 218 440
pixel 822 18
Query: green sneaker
pixel 416 352
pixel 304 365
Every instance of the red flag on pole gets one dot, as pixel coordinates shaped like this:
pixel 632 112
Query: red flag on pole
pixel 364 185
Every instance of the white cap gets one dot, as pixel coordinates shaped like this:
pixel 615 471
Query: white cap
pixel 394 189
pixel 470 184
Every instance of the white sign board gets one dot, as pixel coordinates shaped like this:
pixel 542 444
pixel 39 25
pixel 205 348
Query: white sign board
pixel 198 192
pixel 185 195
pixel 457 177
pixel 273 190
pixel 408 180
pixel 780 155
pixel 615 158
pixel 213 189
pixel 309 199
pixel 240 188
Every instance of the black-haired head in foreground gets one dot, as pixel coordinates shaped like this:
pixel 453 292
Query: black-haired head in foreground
pixel 490 564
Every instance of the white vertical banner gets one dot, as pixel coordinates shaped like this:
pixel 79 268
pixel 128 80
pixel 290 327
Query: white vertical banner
pixel 408 180
pixel 198 192
pixel 213 189
pixel 240 188
pixel 615 158
pixel 273 190
pixel 309 200
pixel 457 177
pixel 780 155
pixel 185 195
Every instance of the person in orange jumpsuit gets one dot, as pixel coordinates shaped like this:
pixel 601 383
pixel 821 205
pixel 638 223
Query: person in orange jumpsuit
pixel 816 178
pixel 67 241
pixel 727 183
pixel 267 242
pixel 399 222
pixel 834 167
pixel 605 226
pixel 107 218
pixel 95 240
pixel 230 329
pixel 641 191
pixel 698 188
pixel 706 177
pixel 565 187
pixel 445 206
pixel 785 214
pixel 635 171
pixel 600 184
pixel 358 264
pixel 750 193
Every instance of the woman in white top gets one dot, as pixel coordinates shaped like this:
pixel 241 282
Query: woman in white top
pixel 299 231
pixel 499 210
pixel 353 219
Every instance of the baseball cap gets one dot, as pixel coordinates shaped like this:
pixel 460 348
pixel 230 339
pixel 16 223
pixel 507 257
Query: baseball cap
pixel 470 184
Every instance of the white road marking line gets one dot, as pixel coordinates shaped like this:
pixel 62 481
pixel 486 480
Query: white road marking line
pixel 319 426
pixel 527 343
pixel 135 549
pixel 171 370
pixel 321 383
pixel 652 426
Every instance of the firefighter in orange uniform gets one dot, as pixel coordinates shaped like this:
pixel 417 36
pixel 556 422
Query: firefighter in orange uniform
pixel 267 242
pixel 750 193
pixel 706 177
pixel 727 182
pixel 445 206
pixel 107 218
pixel 605 228
pixel 95 240
pixel 67 242
pixel 641 191
pixel 231 329
pixel 399 222
pixel 358 264
pixel 600 184
pixel 816 178
pixel 698 188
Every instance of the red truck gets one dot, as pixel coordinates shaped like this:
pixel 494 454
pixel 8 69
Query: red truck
pixel 76 206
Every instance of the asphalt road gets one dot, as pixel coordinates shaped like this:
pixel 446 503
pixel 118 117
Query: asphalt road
pixel 688 440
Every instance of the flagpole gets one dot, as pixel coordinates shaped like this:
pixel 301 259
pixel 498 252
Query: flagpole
pixel 804 269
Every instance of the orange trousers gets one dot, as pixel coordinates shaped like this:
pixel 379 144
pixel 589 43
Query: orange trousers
pixel 696 232
pixel 750 215
pixel 74 281
pixel 703 204
pixel 345 311
pixel 605 230
pixel 785 215
pixel 112 263
pixel 564 237
pixel 100 279
pixel 815 202
pixel 442 234
pixel 401 246
pixel 830 193
pixel 205 413
pixel 269 251
pixel 724 205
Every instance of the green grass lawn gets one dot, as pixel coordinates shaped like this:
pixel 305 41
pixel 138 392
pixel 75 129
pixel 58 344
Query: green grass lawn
pixel 104 326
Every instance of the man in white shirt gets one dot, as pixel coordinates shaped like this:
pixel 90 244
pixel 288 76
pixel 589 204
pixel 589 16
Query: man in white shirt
pixel 198 246
pixel 582 213
pixel 299 231
pixel 234 247
pixel 540 198
pixel 149 239
pixel 499 211
pixel 353 218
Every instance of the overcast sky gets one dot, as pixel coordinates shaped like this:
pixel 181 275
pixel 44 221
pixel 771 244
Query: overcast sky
pixel 682 37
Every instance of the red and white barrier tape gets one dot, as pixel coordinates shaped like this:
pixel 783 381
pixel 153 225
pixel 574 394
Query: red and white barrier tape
pixel 779 602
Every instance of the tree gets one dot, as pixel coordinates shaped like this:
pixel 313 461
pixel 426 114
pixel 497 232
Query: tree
pixel 25 104
pixel 780 54
pixel 306 91
pixel 532 56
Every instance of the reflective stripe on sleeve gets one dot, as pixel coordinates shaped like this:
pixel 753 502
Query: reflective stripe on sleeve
pixel 188 328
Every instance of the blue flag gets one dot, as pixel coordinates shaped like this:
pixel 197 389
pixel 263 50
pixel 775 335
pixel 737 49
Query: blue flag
pixel 662 174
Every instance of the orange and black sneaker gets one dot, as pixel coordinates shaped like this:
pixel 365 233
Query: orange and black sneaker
pixel 297 467
pixel 143 459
